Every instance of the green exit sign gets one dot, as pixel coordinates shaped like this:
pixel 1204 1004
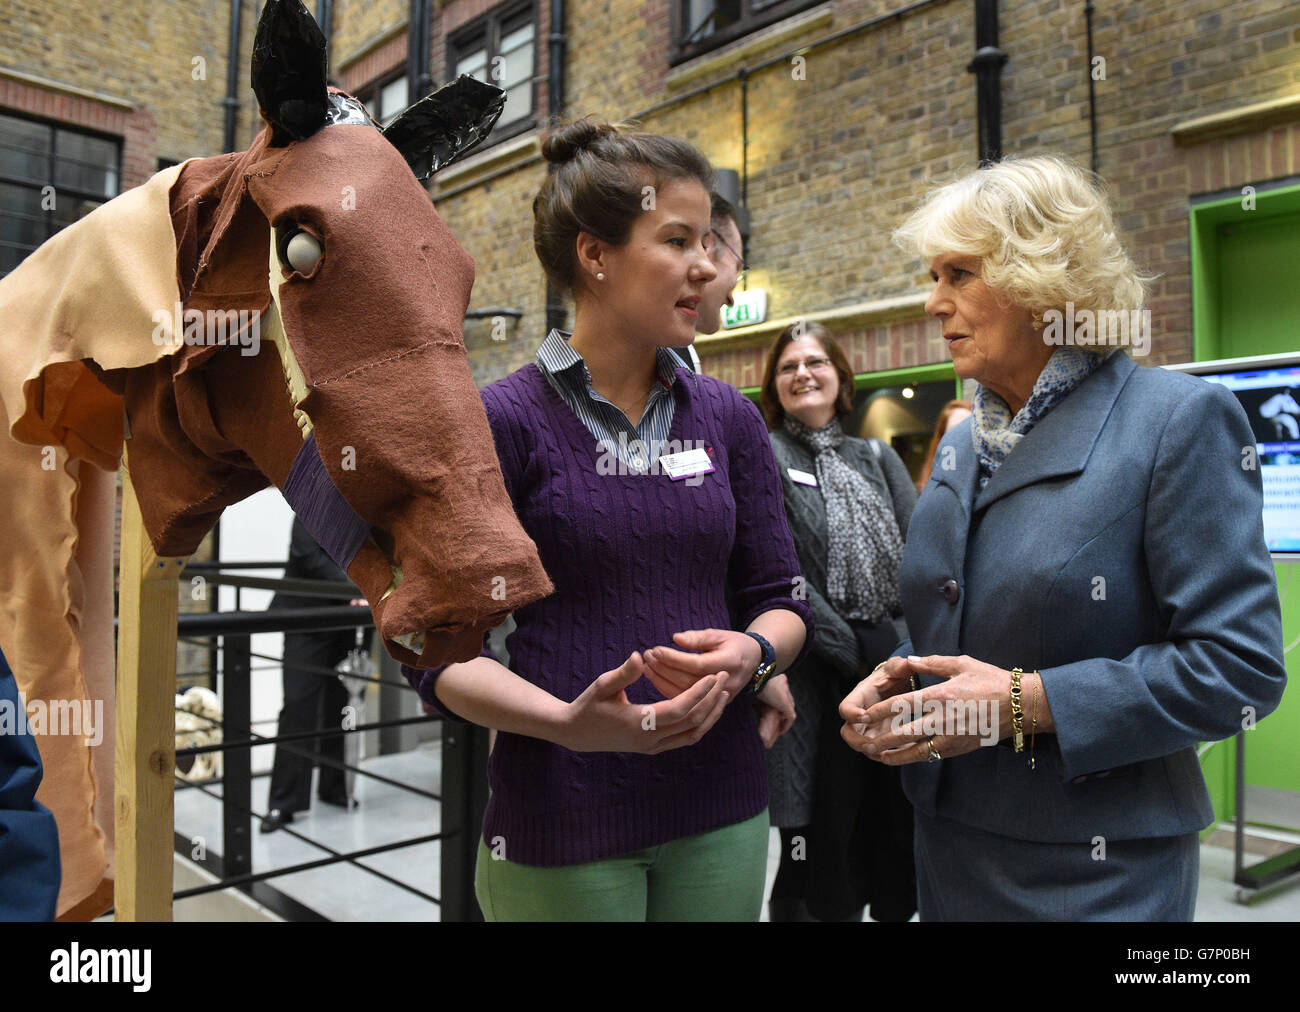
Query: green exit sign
pixel 750 308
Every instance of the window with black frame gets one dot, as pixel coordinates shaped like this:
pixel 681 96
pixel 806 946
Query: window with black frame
pixel 50 177
pixel 385 100
pixel 500 49
pixel 702 25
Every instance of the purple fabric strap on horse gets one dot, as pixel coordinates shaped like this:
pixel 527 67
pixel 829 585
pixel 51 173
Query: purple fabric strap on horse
pixel 312 494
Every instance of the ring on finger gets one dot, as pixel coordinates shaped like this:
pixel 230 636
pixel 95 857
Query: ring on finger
pixel 934 756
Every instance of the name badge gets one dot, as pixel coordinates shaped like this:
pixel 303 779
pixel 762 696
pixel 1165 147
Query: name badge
pixel 801 477
pixel 686 464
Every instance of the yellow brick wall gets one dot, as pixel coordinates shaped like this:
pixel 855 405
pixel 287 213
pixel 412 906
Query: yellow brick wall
pixel 144 52
pixel 494 223
pixel 359 23
pixel 835 160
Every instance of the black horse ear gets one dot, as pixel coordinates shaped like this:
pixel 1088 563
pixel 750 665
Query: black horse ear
pixel 289 71
pixel 446 125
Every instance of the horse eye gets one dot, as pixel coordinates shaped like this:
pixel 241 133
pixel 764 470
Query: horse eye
pixel 299 250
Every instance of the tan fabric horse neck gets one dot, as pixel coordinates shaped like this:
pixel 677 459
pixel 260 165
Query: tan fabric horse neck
pixel 351 372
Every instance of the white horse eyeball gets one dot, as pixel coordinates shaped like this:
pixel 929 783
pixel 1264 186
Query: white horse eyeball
pixel 303 252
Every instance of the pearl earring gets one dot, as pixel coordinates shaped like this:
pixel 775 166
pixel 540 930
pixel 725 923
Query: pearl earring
pixel 600 276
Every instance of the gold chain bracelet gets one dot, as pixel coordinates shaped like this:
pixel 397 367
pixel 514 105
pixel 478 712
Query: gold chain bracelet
pixel 1017 714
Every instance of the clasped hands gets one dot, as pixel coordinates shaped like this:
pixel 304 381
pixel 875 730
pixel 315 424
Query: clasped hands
pixel 888 722
pixel 707 669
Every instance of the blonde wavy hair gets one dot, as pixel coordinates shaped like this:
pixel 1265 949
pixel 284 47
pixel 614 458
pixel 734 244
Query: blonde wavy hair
pixel 1044 232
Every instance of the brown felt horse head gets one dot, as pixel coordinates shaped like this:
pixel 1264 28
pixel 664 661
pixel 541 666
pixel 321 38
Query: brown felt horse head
pixel 291 315
pixel 285 315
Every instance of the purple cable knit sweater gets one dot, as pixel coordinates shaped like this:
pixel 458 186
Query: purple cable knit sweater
pixel 634 559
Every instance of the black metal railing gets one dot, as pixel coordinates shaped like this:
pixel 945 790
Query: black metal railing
pixel 462 792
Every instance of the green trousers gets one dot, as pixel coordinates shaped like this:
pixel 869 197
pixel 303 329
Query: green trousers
pixel 715 876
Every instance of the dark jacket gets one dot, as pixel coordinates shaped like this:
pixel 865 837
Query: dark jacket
pixel 818 682
pixel 309 561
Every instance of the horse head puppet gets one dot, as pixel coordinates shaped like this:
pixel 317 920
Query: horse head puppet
pixel 289 315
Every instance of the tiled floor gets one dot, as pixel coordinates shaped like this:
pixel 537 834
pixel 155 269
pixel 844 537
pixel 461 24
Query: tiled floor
pixel 344 892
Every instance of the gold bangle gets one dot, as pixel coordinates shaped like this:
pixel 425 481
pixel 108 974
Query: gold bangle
pixel 1033 728
pixel 1017 714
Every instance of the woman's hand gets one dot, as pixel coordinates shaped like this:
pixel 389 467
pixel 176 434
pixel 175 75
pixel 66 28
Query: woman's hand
pixel 602 719
pixel 775 706
pixel 716 650
pixel 970 709
pixel 887 680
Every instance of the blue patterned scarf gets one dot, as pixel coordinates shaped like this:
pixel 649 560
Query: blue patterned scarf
pixel 993 429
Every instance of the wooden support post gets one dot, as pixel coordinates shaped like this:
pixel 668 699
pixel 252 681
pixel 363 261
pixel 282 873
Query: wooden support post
pixel 145 756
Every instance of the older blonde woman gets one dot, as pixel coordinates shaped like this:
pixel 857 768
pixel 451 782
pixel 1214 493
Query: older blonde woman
pixel 1085 581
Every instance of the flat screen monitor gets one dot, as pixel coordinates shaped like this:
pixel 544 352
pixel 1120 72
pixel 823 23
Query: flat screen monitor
pixel 1268 388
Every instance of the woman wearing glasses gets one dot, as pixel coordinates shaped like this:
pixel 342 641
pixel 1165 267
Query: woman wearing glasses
pixel 846 830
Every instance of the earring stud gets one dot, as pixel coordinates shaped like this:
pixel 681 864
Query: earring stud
pixel 600 276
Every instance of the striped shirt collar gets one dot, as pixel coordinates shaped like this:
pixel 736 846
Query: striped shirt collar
pixel 556 356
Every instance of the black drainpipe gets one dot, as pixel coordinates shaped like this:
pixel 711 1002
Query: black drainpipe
pixel 987 68
pixel 231 102
pixel 744 151
pixel 419 80
pixel 325 18
pixel 556 315
pixel 1092 90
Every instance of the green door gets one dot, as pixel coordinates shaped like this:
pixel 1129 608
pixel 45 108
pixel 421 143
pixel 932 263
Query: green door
pixel 1259 286
pixel 1246 302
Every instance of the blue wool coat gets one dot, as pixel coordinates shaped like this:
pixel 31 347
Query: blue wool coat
pixel 29 841
pixel 1119 550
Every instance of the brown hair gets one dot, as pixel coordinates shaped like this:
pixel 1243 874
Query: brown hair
pixel 770 403
pixel 721 209
pixel 600 170
pixel 940 428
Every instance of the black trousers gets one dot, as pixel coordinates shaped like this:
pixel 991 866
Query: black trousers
pixel 311 700
pixel 857 851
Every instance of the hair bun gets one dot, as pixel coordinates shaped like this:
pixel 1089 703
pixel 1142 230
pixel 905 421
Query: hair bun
pixel 567 139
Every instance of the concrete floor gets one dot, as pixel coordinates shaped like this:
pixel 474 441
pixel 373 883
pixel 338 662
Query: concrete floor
pixel 386 814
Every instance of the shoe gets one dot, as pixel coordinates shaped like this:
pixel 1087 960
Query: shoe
pixel 338 800
pixel 276 819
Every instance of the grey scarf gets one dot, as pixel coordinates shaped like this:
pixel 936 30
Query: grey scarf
pixel 865 547
pixel 996 433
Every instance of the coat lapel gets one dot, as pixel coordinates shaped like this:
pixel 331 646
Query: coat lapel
pixel 1062 441
pixel 956 466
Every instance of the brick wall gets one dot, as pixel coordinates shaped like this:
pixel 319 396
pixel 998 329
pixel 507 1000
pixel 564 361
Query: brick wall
pixel 167 60
pixel 376 63
pixel 358 23
pixel 836 160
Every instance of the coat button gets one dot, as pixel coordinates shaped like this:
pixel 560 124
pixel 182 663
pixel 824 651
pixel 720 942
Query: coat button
pixel 950 591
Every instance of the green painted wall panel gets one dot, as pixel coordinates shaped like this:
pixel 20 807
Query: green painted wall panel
pixel 1245 302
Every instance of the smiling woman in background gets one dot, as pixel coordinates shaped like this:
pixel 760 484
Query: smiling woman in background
pixel 846 829
pixel 1089 579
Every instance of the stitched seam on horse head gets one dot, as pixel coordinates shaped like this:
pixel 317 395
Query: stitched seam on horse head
pixel 390 358
pixel 193 507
